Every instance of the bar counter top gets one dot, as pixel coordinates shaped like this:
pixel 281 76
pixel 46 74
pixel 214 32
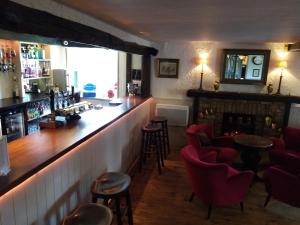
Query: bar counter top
pixel 31 153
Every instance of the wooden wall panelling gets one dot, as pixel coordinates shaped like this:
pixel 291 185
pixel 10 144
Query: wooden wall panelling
pixel 20 208
pixel 128 70
pixel 31 201
pixel 7 210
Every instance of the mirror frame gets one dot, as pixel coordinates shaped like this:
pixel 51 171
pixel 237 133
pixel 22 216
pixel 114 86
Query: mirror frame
pixel 265 53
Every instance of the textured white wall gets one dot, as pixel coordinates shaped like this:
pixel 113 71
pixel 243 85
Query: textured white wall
pixel 189 74
pixel 46 197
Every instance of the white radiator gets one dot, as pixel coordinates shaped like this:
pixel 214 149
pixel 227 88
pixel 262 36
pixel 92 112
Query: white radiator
pixel 177 115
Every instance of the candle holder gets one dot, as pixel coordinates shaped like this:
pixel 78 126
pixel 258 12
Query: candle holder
pixel 282 65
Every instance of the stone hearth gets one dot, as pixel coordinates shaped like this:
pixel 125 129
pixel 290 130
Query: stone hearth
pixel 210 107
pixel 212 110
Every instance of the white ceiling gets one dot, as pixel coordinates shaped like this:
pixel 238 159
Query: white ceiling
pixel 206 20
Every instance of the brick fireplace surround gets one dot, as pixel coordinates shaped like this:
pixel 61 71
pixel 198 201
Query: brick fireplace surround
pixel 210 106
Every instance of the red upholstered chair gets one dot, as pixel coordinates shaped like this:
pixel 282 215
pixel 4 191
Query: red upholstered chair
pixel 286 150
pixel 222 145
pixel 282 185
pixel 216 184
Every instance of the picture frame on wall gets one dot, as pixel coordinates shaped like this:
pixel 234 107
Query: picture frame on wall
pixel 255 73
pixel 167 68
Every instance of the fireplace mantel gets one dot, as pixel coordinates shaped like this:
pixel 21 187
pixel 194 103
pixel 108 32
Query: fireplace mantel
pixel 286 99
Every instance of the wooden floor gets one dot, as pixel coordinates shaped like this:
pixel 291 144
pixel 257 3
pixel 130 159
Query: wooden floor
pixel 162 199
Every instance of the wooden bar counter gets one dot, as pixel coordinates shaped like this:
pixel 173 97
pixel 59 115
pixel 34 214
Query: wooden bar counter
pixel 31 153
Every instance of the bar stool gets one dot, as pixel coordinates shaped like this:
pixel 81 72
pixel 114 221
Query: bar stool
pixel 114 186
pixel 89 214
pixel 151 143
pixel 164 129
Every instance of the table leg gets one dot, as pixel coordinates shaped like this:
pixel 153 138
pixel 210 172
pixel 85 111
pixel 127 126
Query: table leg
pixel 251 161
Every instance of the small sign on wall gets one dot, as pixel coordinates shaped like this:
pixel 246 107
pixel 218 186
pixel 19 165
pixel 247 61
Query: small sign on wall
pixel 167 68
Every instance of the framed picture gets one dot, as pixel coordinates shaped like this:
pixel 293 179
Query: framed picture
pixel 255 73
pixel 167 68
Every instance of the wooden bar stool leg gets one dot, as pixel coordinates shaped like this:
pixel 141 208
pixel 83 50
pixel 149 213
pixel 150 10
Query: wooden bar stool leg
pixel 158 138
pixel 167 135
pixel 142 151
pixel 94 199
pixel 118 211
pixel 129 209
pixel 105 202
pixel 163 140
pixel 150 144
pixel 158 158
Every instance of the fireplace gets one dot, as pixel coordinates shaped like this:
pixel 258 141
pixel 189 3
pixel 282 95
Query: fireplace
pixel 238 123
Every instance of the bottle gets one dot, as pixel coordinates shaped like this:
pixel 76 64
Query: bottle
pixel 16 91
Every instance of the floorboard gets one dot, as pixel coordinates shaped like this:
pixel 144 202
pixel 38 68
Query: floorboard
pixel 163 199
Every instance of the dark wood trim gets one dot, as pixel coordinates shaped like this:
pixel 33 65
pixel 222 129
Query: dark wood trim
pixel 146 76
pixel 128 70
pixel 13 103
pixel 265 52
pixel 22 19
pixel 243 96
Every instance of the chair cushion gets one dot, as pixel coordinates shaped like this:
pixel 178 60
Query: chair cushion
pixel 203 139
pixel 226 155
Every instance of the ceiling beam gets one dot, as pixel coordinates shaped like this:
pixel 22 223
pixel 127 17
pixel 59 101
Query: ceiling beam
pixel 22 19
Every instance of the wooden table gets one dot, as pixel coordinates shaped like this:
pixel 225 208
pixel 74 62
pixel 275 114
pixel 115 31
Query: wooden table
pixel 251 147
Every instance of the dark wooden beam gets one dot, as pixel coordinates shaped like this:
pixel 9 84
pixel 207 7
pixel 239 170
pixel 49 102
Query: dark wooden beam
pixel 146 76
pixel 128 70
pixel 21 19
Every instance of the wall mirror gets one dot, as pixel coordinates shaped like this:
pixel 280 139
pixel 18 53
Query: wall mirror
pixel 245 66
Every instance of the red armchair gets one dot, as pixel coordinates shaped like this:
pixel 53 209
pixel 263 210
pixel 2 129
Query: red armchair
pixel 222 145
pixel 282 185
pixel 286 151
pixel 215 184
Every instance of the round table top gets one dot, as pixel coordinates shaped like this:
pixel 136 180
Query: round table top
pixel 253 141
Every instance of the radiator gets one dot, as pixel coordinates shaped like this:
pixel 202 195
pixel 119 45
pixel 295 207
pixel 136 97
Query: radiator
pixel 177 115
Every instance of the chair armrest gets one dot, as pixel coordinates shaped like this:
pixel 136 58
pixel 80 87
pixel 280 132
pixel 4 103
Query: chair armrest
pixel 210 148
pixel 277 157
pixel 223 141
pixel 278 143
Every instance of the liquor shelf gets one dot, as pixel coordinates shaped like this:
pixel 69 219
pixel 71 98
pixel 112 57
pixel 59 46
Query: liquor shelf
pixel 10 103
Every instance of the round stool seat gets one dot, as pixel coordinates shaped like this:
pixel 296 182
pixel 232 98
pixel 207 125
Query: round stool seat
pixel 151 128
pixel 112 183
pixel 158 119
pixel 90 214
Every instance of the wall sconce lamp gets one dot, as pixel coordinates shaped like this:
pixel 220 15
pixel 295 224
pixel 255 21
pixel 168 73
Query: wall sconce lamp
pixel 202 61
pixel 282 65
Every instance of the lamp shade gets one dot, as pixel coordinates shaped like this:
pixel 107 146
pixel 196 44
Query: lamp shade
pixel 203 61
pixel 282 64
